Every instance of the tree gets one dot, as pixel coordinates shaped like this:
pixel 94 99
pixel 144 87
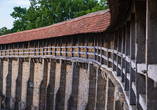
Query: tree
pixel 4 30
pixel 20 22
pixel 47 12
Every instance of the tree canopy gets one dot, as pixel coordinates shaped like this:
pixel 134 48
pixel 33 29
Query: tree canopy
pixel 47 12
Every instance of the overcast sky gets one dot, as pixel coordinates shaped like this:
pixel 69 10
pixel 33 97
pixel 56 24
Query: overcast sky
pixel 6 8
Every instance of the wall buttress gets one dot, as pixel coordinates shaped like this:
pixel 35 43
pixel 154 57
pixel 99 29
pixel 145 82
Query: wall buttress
pixel 73 100
pixel 51 86
pixel 29 97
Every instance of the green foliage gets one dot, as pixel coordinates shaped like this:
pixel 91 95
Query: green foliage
pixel 4 30
pixel 20 19
pixel 47 12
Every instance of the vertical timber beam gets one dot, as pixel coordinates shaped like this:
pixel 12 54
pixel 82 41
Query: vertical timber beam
pixel 38 48
pixel 18 49
pixel 43 47
pixel 140 30
pixel 72 44
pixel 114 48
pixel 119 45
pixel 123 51
pixel 55 45
pixel 66 47
pixel 1 74
pixel 94 47
pixel 34 48
pixel 140 41
pixel 60 46
pixel 78 47
pixel 127 53
pixel 28 48
pixel 5 49
pixel 23 49
pixel 98 43
pixel 1 50
pixel 109 47
pixel 9 50
pixel 51 47
pixel 151 52
pixel 13 49
pixel 132 58
pixel 46 47
pixel 87 47
pixel 101 45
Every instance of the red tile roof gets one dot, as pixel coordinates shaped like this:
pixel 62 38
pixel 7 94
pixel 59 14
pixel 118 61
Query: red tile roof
pixel 90 23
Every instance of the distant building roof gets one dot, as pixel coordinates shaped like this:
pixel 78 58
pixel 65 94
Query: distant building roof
pixel 90 23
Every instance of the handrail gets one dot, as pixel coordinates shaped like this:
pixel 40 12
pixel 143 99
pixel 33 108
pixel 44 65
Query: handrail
pixel 39 52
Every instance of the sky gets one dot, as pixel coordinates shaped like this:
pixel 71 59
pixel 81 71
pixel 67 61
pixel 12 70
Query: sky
pixel 6 8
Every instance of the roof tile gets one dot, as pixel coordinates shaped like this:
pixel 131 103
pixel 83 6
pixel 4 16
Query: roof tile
pixel 90 23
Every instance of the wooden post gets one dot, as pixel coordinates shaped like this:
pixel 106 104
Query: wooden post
pixel 132 37
pixel 18 49
pixel 78 46
pixel 119 45
pixel 28 48
pixel 72 44
pixel 51 47
pixel 34 48
pixel 108 46
pixel 43 46
pixel 23 49
pixel 94 47
pixel 140 43
pixel 65 47
pixel 151 53
pixel 39 48
pixel 114 48
pixel 1 49
pixel 132 57
pixel 127 53
pixel 98 43
pixel 86 47
pixel 46 47
pixel 60 46
pixel 9 50
pixel 13 49
pixel 101 52
pixel 123 51
pixel 55 45
pixel 5 49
